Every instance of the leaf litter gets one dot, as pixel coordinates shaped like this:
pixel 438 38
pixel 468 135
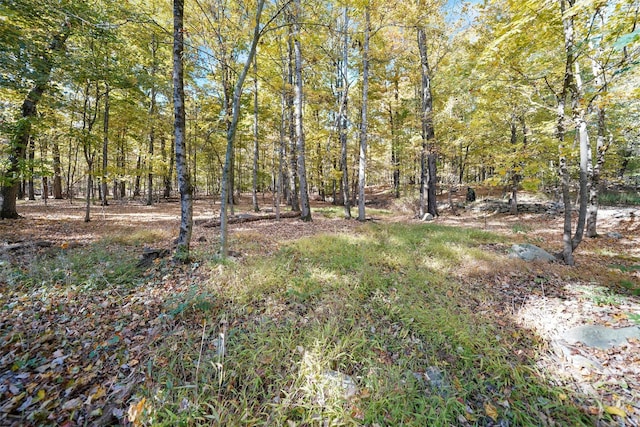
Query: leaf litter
pixel 73 356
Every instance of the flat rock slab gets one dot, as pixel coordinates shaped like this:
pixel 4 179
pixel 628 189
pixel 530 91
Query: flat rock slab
pixel 529 252
pixel 600 336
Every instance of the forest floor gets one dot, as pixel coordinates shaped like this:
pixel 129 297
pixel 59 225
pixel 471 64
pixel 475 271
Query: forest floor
pixel 88 336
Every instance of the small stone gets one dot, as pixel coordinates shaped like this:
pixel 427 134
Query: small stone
pixel 335 379
pixel 427 217
pixel 614 235
pixel 529 252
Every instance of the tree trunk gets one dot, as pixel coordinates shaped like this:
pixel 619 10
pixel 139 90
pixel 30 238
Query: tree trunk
pixel 427 156
pixel 152 117
pixel 136 185
pixel 168 179
pixel 88 120
pixel 11 179
pixel 57 171
pixel 568 83
pixel 87 208
pixel 602 142
pixel 293 156
pixel 31 191
pixel 179 130
pixel 343 118
pixel 305 207
pixel 395 143
pixel 105 148
pixel 256 142
pixel 432 206
pixel 579 117
pixel 362 159
pixel 231 132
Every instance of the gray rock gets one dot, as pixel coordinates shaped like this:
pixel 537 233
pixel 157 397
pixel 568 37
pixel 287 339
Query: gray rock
pixel 427 217
pixel 529 252
pixel 600 336
pixel 434 378
pixel 614 235
pixel 334 380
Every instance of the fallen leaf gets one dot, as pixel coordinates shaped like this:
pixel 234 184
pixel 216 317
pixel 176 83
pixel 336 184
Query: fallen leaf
pixel 72 405
pixel 491 411
pixel 614 410
pixel 135 410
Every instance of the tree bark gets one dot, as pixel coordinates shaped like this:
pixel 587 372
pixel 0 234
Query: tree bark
pixel 168 179
pixel 153 110
pixel 343 119
pixel 362 159
pixel 293 156
pixel 256 142
pixel 11 178
pixel 31 191
pixel 179 130
pixel 428 172
pixel 305 207
pixel 105 148
pixel 603 141
pixel 579 117
pixel 88 120
pixel 57 171
pixel 568 87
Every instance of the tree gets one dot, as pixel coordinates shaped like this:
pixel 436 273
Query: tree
pixel 297 102
pixel 22 136
pixel 428 178
pixel 231 131
pixel 179 129
pixel 362 159
pixel 343 118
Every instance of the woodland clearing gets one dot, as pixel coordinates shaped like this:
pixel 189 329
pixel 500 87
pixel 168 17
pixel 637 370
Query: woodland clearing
pixel 334 322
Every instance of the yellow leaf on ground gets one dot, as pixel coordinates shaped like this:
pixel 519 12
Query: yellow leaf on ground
pixel 41 394
pixel 491 411
pixel 135 410
pixel 614 410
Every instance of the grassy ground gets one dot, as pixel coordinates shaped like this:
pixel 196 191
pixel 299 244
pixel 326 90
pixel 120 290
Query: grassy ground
pixel 331 323
pixel 347 330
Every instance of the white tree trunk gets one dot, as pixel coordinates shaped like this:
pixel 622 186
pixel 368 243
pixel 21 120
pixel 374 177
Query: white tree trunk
pixel 362 160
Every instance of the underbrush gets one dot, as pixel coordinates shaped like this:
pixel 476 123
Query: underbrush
pixel 359 329
pixel 87 268
pixel 617 198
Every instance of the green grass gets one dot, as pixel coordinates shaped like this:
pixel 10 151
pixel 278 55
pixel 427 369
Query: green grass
pixel 338 212
pixel 92 267
pixel 521 229
pixel 262 342
pixel 610 198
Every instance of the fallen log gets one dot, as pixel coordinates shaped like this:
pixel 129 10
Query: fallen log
pixel 239 219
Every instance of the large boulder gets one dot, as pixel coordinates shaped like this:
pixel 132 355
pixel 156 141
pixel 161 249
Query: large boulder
pixel 529 252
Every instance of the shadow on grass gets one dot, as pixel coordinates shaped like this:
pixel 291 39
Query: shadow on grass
pixel 381 311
